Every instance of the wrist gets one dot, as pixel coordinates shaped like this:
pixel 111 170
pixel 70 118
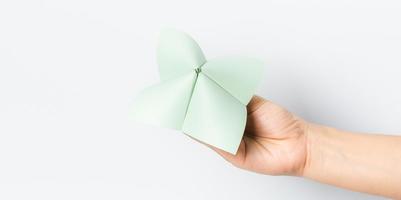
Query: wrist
pixel 315 139
pixel 360 162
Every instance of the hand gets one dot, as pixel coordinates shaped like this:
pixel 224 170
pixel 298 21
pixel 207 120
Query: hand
pixel 278 143
pixel 274 142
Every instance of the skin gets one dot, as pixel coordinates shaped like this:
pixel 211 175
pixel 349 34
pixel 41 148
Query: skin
pixel 276 142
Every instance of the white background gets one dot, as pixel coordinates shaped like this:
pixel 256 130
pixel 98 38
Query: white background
pixel 69 70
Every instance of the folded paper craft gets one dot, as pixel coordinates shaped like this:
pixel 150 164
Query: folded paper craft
pixel 206 99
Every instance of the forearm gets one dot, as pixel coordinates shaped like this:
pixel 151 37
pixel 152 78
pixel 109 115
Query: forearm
pixel 360 162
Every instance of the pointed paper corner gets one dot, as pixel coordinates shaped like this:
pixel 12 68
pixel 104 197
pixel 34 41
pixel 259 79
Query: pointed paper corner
pixel 233 150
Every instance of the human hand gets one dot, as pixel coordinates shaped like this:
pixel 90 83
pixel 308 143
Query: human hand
pixel 274 142
pixel 277 142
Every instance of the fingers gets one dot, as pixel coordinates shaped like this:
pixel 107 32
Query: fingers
pixel 255 103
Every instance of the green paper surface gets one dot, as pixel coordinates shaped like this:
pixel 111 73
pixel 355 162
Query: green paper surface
pixel 177 54
pixel 238 75
pixel 205 99
pixel 165 104
pixel 215 116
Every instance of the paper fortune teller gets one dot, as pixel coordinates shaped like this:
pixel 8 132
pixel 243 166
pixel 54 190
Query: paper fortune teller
pixel 205 99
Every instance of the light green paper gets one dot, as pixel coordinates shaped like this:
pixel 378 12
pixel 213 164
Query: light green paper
pixel 205 99
pixel 177 53
pixel 238 75
pixel 165 104
pixel 214 116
